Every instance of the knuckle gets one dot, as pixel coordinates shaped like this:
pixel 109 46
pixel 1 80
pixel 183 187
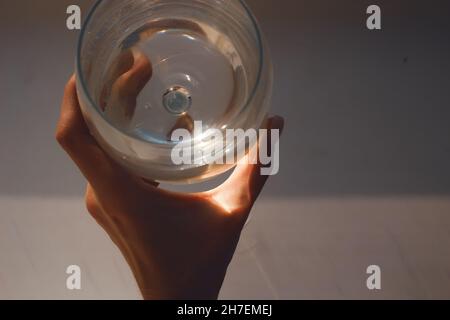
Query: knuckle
pixel 92 206
pixel 70 84
pixel 63 136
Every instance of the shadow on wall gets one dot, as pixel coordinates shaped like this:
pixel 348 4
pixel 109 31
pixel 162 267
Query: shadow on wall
pixel 367 111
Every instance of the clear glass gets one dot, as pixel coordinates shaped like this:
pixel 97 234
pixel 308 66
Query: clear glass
pixel 148 67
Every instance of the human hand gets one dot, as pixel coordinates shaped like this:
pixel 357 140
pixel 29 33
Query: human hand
pixel 178 245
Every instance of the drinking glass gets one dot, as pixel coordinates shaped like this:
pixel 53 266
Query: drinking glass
pixel 146 68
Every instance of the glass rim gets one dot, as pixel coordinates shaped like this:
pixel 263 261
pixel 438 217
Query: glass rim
pixel 87 93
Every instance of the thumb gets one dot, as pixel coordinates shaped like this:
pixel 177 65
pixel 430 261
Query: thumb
pixel 243 187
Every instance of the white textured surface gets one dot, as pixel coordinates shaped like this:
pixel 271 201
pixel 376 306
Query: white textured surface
pixel 293 249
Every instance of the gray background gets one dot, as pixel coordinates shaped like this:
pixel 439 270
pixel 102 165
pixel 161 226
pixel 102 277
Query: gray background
pixel 364 159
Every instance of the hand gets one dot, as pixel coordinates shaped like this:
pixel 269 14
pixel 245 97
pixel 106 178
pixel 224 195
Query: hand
pixel 178 245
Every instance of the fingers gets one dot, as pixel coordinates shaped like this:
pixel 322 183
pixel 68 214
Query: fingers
pixel 129 85
pixel 74 137
pixel 122 64
pixel 243 187
pixel 120 102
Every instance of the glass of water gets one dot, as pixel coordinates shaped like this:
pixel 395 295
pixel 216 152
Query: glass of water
pixel 146 68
